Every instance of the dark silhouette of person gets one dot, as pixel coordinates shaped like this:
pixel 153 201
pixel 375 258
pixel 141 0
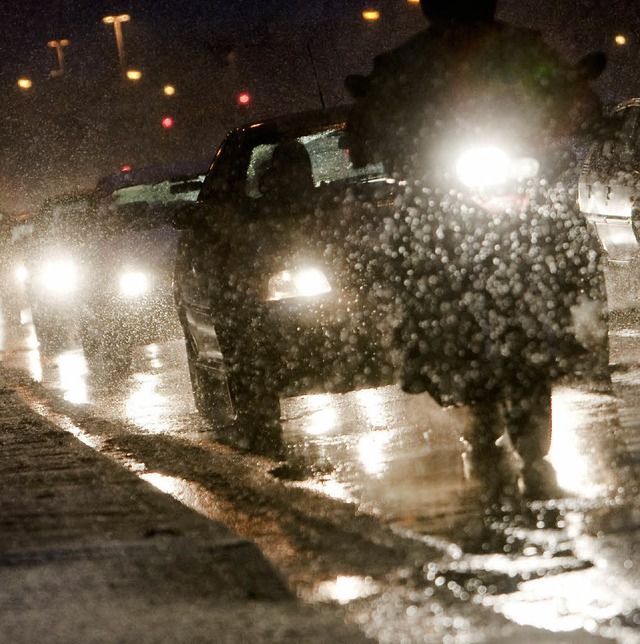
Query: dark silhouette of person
pixel 289 178
pixel 488 296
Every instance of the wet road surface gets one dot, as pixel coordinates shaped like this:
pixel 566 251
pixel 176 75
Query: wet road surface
pixel 560 565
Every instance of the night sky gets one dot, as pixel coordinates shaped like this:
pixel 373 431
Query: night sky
pixel 576 26
pixel 68 131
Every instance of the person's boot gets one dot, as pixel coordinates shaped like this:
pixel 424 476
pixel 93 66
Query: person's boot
pixel 487 457
pixel 540 481
pixel 529 427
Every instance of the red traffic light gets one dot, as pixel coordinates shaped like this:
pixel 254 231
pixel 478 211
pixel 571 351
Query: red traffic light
pixel 167 122
pixel 244 98
pixel 125 168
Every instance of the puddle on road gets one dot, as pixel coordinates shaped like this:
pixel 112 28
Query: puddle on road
pixel 587 599
pixel 343 589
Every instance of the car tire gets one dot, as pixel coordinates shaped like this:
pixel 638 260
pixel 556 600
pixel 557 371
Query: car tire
pixel 244 411
pixel 52 334
pixel 209 389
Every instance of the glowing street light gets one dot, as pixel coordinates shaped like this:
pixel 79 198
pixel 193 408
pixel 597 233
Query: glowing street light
pixel 620 40
pixel 58 46
pixel 25 83
pixel 169 90
pixel 117 21
pixel 134 74
pixel 371 15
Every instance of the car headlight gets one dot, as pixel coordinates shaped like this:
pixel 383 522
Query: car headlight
pixel 59 277
pixel 490 167
pixel 300 282
pixel 134 283
pixel 21 274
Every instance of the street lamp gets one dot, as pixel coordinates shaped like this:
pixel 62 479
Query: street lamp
pixel 134 74
pixel 25 83
pixel 117 21
pixel 371 15
pixel 169 90
pixel 58 45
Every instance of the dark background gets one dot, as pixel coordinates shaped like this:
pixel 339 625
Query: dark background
pixel 64 133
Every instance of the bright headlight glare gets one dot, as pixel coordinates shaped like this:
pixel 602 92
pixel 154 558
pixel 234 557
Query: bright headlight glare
pixel 489 167
pixel 303 282
pixel 134 283
pixel 483 167
pixel 59 276
pixel 21 274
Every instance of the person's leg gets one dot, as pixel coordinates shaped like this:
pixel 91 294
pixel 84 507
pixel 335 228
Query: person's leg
pixel 529 426
pixel 487 458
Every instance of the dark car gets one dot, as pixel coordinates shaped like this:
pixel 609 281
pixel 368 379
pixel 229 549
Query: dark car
pixel 55 266
pixel 130 252
pixel 292 272
pixel 272 284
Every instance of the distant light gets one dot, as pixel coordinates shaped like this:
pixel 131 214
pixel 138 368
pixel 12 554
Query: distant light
pixel 167 122
pixel 371 14
pixel 413 1
pixel 109 20
pixel 620 39
pixel 134 74
pixel 244 98
pixel 125 168
pixel 169 90
pixel 25 83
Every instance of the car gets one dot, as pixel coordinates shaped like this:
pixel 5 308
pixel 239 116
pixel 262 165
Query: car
pixel 608 188
pixel 54 266
pixel 609 196
pixel 272 287
pixel 15 231
pixel 282 283
pixel 129 255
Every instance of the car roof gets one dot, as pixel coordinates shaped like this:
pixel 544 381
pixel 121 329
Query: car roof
pixel 308 120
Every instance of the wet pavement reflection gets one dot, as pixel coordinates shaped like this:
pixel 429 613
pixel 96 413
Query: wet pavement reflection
pixel 393 453
pixel 402 458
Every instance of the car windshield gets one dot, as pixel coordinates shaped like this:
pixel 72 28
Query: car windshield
pixel 329 161
pixel 147 205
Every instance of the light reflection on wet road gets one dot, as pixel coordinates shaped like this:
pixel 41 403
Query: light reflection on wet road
pixel 387 451
pixel 395 455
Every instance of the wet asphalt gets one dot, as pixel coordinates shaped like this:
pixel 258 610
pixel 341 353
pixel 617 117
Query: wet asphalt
pixel 91 552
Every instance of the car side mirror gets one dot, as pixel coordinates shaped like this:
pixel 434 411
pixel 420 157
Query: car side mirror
pixel 187 216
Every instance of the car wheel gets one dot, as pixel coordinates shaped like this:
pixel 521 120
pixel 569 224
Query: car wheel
pixel 52 334
pixel 210 392
pixel 237 402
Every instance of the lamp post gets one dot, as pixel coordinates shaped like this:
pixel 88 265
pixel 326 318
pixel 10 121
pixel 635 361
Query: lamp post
pixel 117 21
pixel 58 46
